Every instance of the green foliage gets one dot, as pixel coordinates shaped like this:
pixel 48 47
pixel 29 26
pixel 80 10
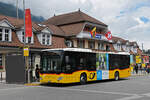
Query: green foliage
pixel 10 10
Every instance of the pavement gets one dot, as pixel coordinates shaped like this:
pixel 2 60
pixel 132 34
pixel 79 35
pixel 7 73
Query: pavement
pixel 132 88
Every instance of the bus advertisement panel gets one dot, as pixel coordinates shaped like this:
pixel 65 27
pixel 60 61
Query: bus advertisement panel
pixel 102 66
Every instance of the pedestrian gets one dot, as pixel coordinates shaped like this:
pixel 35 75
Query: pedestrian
pixel 148 69
pixel 136 68
pixel 145 69
pixel 37 71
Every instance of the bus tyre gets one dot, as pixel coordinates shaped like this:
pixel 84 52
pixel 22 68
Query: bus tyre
pixel 83 79
pixel 116 76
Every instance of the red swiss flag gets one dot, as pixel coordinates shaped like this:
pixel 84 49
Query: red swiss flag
pixel 28 23
pixel 108 35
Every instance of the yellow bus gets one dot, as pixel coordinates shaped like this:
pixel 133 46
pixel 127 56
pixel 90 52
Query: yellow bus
pixel 71 65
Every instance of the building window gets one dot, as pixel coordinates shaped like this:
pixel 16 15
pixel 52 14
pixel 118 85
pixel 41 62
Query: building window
pixel 100 46
pixel 31 61
pixel 46 39
pixel 23 37
pixel 43 39
pixel 91 44
pixel 135 50
pixel 128 48
pixel 107 48
pixel 80 43
pixel 1 64
pixel 6 34
pixel 1 32
pixel 29 39
pixel 119 47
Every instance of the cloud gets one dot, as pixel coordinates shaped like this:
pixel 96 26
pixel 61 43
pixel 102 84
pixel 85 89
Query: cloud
pixel 128 19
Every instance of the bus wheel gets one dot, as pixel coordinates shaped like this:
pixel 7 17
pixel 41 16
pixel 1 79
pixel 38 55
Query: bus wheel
pixel 116 76
pixel 83 78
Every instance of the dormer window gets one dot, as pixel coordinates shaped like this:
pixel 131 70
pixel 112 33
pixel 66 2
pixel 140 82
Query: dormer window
pixel 119 47
pixel 45 36
pixel 21 36
pixel 5 34
pixel 46 39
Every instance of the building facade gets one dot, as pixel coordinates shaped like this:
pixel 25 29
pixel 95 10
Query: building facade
pixel 70 30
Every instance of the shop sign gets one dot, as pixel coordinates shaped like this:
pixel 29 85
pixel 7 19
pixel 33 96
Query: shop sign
pixel 26 51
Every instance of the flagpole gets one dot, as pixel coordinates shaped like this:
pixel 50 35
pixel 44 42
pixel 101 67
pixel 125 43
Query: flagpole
pixel 17 9
pixel 25 57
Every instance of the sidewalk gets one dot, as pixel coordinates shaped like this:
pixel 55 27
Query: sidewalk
pixel 33 84
pixel 139 73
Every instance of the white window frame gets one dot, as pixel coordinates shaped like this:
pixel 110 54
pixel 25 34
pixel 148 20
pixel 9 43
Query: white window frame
pixel 101 46
pixel 46 39
pixel 23 39
pixel 119 47
pixel 23 36
pixel 7 34
pixel 4 34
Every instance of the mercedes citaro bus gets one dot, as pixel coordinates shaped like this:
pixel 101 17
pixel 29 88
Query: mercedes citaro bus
pixel 71 65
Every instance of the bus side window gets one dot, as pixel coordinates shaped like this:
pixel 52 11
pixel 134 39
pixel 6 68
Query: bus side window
pixel 81 62
pixel 68 66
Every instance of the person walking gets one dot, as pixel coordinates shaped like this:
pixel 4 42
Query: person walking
pixel 37 71
pixel 136 68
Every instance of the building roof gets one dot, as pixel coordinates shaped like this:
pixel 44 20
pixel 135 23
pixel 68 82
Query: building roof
pixel 18 23
pixel 72 29
pixel 56 30
pixel 116 39
pixel 73 17
pixel 132 43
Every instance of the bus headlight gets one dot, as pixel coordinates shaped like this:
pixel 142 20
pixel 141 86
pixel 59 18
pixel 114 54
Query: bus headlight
pixel 60 78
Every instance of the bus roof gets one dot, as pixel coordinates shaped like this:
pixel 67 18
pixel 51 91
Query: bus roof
pixel 84 50
pixel 70 49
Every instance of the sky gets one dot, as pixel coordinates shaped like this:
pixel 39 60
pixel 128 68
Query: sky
pixel 128 19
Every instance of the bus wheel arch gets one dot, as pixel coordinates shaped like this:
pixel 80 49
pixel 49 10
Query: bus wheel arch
pixel 116 76
pixel 83 78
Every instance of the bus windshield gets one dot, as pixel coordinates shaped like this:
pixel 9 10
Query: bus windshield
pixel 51 62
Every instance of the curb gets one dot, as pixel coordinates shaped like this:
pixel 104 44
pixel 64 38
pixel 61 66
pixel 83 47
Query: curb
pixel 140 75
pixel 32 84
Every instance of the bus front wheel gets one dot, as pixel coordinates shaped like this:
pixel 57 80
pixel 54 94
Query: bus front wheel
pixel 116 76
pixel 83 78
